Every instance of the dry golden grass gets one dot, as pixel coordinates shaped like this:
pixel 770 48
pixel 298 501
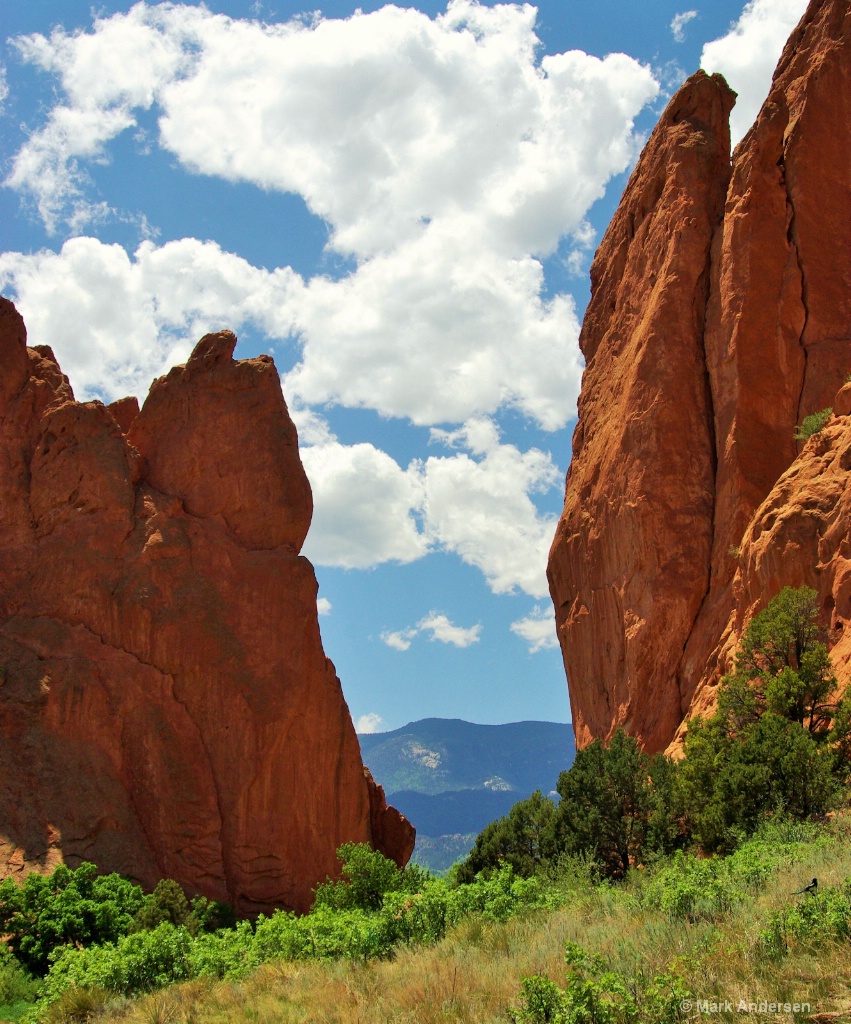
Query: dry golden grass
pixel 474 975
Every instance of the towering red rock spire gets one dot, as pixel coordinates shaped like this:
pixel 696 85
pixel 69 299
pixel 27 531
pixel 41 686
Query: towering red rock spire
pixel 166 708
pixel 630 562
pixel 715 325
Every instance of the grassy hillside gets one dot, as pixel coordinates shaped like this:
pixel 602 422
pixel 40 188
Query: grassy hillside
pixel 683 931
pixel 438 755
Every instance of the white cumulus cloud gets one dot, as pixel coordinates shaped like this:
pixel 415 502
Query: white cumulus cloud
pixel 363 507
pixel 323 606
pixel 368 723
pixel 447 158
pixel 444 156
pixel 400 639
pixel 479 506
pixel 679 23
pixel 538 629
pixel 446 632
pixel 440 628
pixel 747 55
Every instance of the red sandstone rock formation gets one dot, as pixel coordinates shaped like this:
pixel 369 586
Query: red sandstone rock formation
pixel 714 327
pixel 630 561
pixel 799 536
pixel 166 708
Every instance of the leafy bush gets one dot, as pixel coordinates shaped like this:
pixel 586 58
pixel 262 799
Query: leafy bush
pixel 168 904
pixel 812 424
pixel 17 987
pixel 367 877
pixel 695 888
pixel 779 741
pixel 67 907
pixel 594 994
pixel 818 918
pixel 82 908
pixel 523 838
pixel 135 963
pixel 615 810
pixel 413 908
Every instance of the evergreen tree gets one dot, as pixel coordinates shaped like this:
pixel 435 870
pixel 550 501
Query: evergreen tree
pixel 522 838
pixel 607 802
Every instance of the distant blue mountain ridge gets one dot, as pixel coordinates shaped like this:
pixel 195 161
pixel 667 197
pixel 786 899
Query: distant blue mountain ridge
pixel 450 778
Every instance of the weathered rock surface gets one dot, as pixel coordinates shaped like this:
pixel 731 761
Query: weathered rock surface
pixel 630 562
pixel 799 536
pixel 710 334
pixel 166 708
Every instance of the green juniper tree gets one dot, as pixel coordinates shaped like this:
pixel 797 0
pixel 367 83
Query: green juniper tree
pixel 607 802
pixel 522 838
pixel 772 745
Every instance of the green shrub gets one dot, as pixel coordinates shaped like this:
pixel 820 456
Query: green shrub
pixel 65 908
pixel 816 919
pixel 595 994
pixel 812 424
pixel 523 838
pixel 139 962
pixel 168 904
pixel 780 741
pixel 414 907
pixel 367 876
pixel 18 989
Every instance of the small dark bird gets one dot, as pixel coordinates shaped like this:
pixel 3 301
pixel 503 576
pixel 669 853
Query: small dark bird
pixel 808 888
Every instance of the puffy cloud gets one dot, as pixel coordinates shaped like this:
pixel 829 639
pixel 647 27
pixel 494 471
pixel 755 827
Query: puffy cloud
pixel 481 508
pixel 116 322
pixel 747 55
pixel 446 159
pixel 369 509
pixel 400 640
pixel 679 23
pixel 368 723
pixel 441 629
pixel 380 120
pixel 105 75
pixel 440 330
pixel 4 87
pixel 323 606
pixel 447 633
pixel 441 153
pixel 363 507
pixel 537 629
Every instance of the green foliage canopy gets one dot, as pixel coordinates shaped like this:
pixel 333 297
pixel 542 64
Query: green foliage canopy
pixel 523 838
pixel 779 740
pixel 65 908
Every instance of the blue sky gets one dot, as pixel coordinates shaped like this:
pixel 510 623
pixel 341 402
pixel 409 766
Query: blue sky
pixel 401 204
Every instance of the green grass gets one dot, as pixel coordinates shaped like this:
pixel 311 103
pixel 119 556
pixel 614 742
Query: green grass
pixel 704 922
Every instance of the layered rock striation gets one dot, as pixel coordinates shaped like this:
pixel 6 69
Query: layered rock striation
pixel 166 708
pixel 720 317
